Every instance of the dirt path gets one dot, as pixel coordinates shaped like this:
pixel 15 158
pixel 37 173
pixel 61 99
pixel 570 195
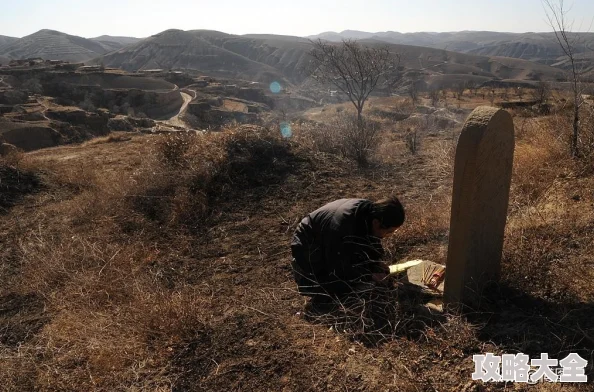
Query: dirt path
pixel 43 103
pixel 175 120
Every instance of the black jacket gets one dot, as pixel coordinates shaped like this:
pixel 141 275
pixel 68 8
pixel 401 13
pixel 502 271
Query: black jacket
pixel 334 243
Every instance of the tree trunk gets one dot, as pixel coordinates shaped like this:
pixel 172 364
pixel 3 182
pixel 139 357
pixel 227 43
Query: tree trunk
pixel 574 136
pixel 360 118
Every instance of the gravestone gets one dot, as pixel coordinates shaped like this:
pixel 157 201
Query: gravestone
pixel 482 177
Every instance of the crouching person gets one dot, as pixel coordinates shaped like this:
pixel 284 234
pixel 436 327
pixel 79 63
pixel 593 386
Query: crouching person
pixel 337 249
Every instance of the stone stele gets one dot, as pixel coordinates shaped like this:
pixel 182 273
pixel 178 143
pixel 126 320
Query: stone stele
pixel 482 178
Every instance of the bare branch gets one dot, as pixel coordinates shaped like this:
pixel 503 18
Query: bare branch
pixel 352 68
pixel 556 13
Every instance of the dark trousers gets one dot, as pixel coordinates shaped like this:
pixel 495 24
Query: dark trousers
pixel 313 277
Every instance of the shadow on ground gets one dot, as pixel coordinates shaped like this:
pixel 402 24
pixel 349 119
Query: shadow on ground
pixel 21 317
pixel 15 185
pixel 521 323
pixel 376 316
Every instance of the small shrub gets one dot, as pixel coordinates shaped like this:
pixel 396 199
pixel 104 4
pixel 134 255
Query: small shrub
pixel 87 104
pixel 413 141
pixel 33 86
pixel 343 136
pixel 359 141
pixel 172 149
pixel 395 114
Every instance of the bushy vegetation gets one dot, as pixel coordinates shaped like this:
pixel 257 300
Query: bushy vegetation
pixel 343 135
pixel 189 172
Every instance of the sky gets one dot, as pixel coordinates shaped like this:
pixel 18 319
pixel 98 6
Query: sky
pixel 142 18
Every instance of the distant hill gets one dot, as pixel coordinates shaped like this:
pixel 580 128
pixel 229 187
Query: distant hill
pixel 266 58
pixel 121 40
pixel 53 45
pixel 6 40
pixel 538 47
pixel 112 43
pixel 4 60
pixel 263 59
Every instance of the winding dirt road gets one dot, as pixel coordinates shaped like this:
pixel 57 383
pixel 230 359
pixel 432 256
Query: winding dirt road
pixel 175 120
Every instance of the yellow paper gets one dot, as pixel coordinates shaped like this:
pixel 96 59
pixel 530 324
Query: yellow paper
pixel 396 268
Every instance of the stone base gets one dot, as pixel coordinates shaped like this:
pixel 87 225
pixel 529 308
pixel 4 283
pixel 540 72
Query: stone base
pixel 414 281
pixel 421 273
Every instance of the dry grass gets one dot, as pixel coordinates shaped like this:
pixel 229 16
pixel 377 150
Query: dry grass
pixel 189 172
pixel 113 138
pixel 161 263
pixel 539 158
pixel 110 315
pixel 342 135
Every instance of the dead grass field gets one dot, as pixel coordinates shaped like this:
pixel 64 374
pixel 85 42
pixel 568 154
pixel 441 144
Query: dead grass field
pixel 158 263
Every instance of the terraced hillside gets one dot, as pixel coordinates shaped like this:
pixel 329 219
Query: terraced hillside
pixel 6 40
pixel 267 57
pixel 539 47
pixel 53 45
pixel 536 47
pixel 218 53
pixel 112 43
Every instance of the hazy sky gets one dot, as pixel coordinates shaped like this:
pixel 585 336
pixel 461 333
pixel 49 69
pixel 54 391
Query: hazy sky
pixel 299 17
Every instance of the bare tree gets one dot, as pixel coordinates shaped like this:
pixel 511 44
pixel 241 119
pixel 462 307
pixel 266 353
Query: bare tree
pixel 459 89
pixel 413 93
pixel 542 92
pixel 434 96
pixel 393 80
pixel 354 69
pixel 472 86
pixel 444 95
pixel 556 13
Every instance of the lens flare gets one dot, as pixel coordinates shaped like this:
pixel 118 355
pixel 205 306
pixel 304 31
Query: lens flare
pixel 275 87
pixel 286 131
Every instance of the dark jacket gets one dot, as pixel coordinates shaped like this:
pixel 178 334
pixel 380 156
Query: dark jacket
pixel 333 248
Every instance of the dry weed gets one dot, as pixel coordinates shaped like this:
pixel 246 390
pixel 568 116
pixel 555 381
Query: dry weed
pixel 342 135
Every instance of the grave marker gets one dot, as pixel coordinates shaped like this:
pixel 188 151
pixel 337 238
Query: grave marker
pixel 482 178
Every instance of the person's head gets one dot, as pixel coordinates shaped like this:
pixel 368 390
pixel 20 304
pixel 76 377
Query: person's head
pixel 386 216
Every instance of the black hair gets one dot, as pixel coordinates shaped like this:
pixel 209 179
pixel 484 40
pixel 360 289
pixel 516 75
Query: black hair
pixel 389 212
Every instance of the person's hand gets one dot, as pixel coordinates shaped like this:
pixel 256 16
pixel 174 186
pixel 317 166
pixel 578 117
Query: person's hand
pixel 379 276
pixel 383 268
pixel 436 279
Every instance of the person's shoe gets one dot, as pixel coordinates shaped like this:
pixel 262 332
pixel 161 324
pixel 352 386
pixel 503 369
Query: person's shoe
pixel 319 305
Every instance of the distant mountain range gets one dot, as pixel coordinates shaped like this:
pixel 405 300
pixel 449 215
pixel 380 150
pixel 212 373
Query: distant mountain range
pixel 270 57
pixel 441 58
pixel 538 47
